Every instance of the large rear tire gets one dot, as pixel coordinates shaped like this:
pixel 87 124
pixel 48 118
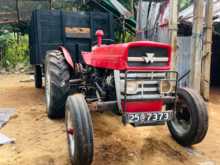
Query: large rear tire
pixel 38 76
pixel 56 83
pixel 79 130
pixel 190 123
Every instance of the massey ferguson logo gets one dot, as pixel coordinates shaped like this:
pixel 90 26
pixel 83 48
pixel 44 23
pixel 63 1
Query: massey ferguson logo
pixel 150 58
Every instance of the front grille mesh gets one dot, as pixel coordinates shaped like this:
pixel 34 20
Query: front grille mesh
pixel 148 84
pixel 147 57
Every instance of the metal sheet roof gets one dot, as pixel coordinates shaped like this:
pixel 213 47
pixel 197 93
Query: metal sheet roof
pixel 187 14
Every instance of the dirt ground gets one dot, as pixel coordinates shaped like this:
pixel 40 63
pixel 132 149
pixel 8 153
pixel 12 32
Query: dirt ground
pixel 40 141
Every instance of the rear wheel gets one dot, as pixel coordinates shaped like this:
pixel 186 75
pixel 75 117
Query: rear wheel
pixel 56 83
pixel 79 130
pixel 38 76
pixel 190 123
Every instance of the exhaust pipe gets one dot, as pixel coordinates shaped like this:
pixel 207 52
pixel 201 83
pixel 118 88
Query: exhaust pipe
pixel 102 106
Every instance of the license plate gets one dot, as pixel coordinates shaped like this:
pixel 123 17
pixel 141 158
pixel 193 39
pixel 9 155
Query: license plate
pixel 149 117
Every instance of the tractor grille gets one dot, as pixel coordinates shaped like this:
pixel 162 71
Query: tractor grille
pixel 147 57
pixel 148 85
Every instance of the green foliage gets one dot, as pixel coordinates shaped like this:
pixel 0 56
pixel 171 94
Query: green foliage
pixel 121 37
pixel 21 27
pixel 184 3
pixel 127 3
pixel 67 5
pixel 15 49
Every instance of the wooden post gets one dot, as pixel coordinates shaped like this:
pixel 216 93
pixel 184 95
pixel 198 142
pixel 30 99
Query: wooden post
pixel 17 10
pixel 173 30
pixel 196 54
pixel 50 4
pixel 1 53
pixel 206 60
pixel 132 7
pixel 139 33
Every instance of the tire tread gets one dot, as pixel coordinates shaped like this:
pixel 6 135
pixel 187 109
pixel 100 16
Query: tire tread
pixel 59 72
pixel 199 113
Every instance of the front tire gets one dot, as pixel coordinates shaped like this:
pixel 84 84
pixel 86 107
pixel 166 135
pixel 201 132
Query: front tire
pixel 190 123
pixel 56 83
pixel 79 130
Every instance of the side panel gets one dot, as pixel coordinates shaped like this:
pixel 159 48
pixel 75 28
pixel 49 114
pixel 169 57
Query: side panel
pixel 73 30
pixel 45 33
pixel 110 57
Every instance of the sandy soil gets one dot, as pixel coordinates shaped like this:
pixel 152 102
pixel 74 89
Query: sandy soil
pixel 40 141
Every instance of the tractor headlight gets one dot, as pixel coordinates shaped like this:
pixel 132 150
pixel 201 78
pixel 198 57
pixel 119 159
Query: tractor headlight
pixel 132 87
pixel 167 86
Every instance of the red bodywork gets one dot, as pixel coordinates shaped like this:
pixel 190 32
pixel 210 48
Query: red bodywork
pixel 115 57
pixel 67 56
pixel 143 106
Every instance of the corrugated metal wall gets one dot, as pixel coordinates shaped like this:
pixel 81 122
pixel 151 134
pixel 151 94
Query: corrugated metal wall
pixel 183 53
pixel 163 35
pixel 184 59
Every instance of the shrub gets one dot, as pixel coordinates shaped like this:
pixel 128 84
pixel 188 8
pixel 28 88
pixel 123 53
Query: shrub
pixel 15 50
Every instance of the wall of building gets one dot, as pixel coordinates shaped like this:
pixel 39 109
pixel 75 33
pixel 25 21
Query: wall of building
pixel 215 66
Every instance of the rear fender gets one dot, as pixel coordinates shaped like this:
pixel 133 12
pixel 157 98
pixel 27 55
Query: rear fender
pixel 67 56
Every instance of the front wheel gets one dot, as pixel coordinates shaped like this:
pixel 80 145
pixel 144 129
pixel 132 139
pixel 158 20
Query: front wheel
pixel 190 123
pixel 79 130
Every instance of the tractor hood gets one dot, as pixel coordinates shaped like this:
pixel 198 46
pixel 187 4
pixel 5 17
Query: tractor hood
pixel 115 56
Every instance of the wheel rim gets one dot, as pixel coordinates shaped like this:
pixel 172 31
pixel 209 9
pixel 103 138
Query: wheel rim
pixel 48 88
pixel 70 133
pixel 182 118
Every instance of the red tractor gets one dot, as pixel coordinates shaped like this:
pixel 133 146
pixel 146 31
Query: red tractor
pixel 132 79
